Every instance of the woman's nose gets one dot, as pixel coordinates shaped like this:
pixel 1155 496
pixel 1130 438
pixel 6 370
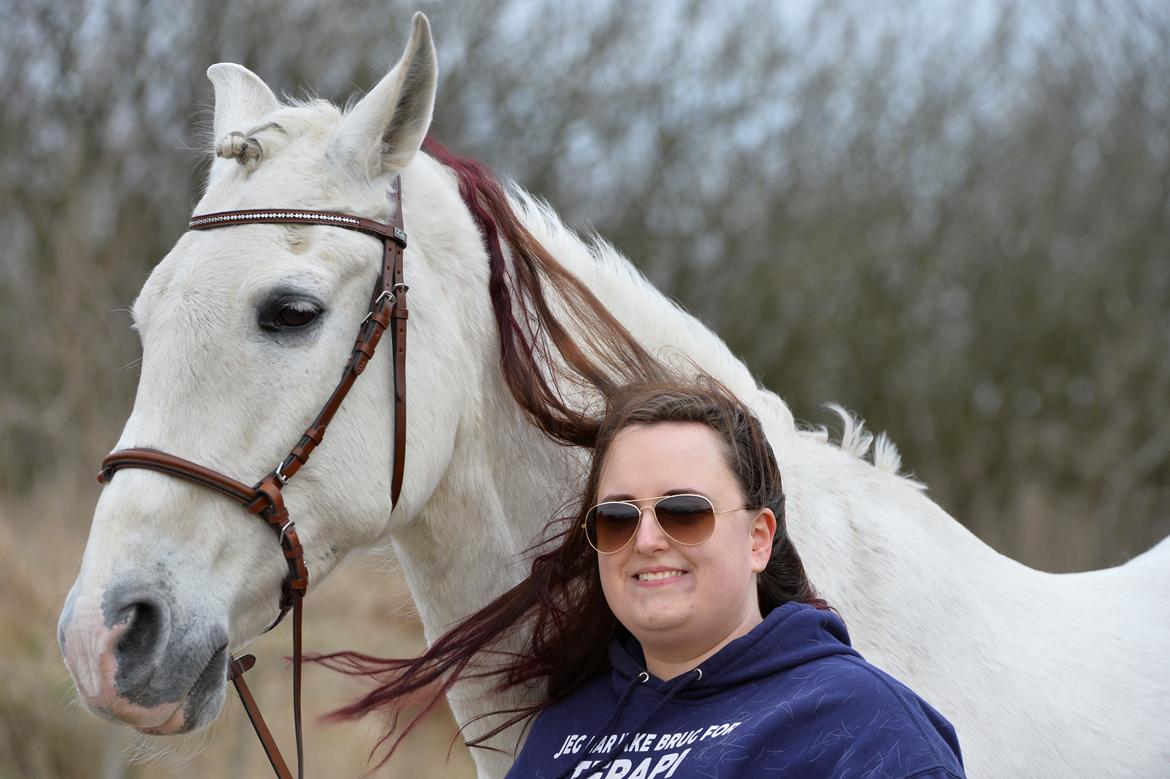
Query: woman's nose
pixel 649 536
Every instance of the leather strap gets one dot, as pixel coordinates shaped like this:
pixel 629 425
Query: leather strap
pixel 236 669
pixel 265 499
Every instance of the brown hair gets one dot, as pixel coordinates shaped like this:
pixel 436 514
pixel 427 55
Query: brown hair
pixel 749 457
pixel 560 605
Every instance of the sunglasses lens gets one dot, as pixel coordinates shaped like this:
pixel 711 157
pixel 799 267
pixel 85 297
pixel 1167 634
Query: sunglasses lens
pixel 688 519
pixel 609 526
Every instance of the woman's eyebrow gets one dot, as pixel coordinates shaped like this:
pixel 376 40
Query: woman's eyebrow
pixel 678 491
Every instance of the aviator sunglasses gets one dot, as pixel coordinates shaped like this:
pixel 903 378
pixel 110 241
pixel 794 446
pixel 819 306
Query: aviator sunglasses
pixel 685 519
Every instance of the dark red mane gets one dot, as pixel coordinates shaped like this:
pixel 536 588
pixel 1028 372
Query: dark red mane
pixel 535 358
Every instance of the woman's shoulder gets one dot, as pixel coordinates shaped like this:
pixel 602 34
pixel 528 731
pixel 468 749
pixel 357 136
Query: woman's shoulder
pixel 844 699
pixel 798 680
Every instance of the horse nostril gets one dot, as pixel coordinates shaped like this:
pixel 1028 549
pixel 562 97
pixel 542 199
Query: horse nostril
pixel 141 619
pixel 144 633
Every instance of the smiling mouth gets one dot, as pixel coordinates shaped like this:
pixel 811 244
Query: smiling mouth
pixel 657 576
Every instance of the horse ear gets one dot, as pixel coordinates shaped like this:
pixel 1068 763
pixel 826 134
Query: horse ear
pixel 241 98
pixel 386 128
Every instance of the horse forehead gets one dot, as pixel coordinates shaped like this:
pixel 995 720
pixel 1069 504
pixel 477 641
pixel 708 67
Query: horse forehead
pixel 287 183
pixel 290 180
pixel 206 269
pixel 207 275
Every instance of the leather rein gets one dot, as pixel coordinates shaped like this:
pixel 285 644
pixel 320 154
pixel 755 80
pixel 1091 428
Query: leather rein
pixel 264 498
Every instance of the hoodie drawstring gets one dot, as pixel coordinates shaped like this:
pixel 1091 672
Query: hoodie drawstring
pixel 694 675
pixel 617 710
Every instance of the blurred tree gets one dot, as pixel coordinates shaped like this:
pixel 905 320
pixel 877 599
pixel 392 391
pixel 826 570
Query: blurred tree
pixel 949 217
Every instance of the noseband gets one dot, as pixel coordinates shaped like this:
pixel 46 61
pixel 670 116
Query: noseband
pixel 264 498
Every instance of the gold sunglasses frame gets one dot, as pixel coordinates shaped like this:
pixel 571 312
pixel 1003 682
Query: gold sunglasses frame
pixel 654 511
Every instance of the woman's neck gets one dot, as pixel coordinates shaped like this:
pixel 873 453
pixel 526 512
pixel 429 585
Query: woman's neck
pixel 666 659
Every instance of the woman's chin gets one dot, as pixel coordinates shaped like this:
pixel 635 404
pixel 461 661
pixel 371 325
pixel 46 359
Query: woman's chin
pixel 655 623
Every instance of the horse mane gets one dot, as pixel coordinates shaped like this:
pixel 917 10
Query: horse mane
pixel 541 360
pixel 536 377
pixel 878 450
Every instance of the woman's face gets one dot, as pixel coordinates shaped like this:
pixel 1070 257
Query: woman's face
pixel 708 595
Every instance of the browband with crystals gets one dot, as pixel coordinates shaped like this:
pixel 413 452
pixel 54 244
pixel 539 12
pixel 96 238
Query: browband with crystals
pixel 292 216
pixel 311 217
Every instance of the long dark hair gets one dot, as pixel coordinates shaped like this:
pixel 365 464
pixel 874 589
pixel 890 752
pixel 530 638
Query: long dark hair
pixel 560 607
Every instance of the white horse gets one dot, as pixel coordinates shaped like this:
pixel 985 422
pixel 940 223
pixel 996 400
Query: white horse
pixel 1042 675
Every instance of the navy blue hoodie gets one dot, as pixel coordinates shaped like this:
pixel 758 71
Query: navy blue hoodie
pixel 789 699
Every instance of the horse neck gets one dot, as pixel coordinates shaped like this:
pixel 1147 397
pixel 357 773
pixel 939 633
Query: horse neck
pixel 489 480
pixel 841 508
pixel 871 542
pixel 504 482
pixel 505 479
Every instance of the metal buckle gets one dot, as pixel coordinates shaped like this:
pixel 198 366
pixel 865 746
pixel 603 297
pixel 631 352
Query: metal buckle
pixel 386 294
pixel 401 286
pixel 284 529
pixel 279 474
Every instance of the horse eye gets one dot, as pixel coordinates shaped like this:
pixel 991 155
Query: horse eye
pixel 291 317
pixel 283 313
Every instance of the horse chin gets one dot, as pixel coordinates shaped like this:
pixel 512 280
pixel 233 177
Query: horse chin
pixel 191 713
pixel 205 700
pixel 197 709
pixel 173 725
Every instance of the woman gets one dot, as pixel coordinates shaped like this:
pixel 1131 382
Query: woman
pixel 675 629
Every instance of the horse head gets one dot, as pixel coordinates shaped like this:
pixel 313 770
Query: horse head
pixel 243 332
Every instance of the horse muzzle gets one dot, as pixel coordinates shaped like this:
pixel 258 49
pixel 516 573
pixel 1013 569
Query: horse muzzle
pixel 133 662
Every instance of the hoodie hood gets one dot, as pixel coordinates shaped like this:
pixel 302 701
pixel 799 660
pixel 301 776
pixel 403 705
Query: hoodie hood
pixel 790 699
pixel 791 635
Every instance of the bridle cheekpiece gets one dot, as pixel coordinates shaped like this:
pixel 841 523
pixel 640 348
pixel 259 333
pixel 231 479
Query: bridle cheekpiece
pixel 265 499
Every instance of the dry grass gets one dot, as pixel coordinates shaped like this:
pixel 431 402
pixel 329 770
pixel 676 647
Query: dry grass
pixel 46 734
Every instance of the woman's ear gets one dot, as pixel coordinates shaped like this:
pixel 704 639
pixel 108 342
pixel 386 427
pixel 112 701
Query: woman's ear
pixel 762 531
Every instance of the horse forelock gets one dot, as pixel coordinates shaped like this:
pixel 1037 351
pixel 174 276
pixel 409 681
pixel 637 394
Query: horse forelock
pixel 287 157
pixel 295 118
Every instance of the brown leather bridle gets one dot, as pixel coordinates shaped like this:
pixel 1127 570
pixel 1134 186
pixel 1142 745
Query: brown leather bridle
pixel 264 498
